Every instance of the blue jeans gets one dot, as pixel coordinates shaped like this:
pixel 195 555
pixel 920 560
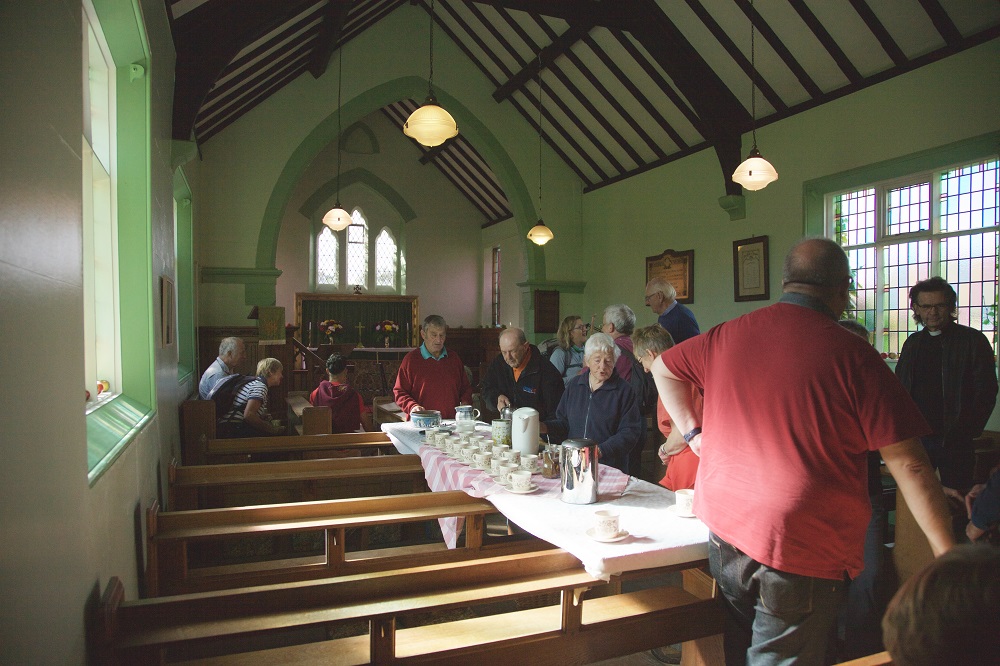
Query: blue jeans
pixel 772 617
pixel 867 595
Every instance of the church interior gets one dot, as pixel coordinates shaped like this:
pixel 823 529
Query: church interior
pixel 232 128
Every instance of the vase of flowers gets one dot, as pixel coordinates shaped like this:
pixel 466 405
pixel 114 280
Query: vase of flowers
pixel 386 327
pixel 330 328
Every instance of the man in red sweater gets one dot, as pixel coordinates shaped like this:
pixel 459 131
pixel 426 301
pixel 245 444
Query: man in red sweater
pixel 430 377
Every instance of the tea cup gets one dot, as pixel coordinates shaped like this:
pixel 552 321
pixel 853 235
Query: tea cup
pixel 606 523
pixel 520 480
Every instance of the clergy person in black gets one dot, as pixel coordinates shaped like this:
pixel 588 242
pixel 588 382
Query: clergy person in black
pixel 521 377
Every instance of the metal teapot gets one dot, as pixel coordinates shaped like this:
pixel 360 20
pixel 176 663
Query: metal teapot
pixel 578 467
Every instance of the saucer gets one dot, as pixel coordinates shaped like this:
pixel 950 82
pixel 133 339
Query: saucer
pixel 532 489
pixel 673 509
pixel 622 534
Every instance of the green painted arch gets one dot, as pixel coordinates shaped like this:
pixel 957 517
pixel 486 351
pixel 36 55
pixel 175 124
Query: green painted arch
pixel 360 133
pixel 324 192
pixel 375 98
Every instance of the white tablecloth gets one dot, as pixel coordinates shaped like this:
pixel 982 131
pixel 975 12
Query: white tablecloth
pixel 656 536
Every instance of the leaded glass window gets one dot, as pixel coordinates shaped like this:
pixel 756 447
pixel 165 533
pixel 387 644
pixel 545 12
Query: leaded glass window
pixel 385 260
pixel 357 251
pixel 328 258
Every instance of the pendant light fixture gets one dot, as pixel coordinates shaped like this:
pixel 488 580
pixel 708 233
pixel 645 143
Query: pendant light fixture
pixel 755 173
pixel 337 218
pixel 540 234
pixel 430 125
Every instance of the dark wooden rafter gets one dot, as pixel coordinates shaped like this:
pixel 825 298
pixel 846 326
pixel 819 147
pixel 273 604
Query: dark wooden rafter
pixel 236 113
pixel 491 187
pixel 247 87
pixel 330 31
pixel 779 47
pixel 939 17
pixel 888 44
pixel 458 161
pixel 639 96
pixel 605 95
pixel 607 13
pixel 559 46
pixel 528 112
pixel 824 37
pixel 578 95
pixel 735 53
pixel 207 38
pixel 269 45
pixel 360 20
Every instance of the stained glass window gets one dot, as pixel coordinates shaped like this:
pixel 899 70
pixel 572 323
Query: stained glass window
pixel 327 258
pixel 896 234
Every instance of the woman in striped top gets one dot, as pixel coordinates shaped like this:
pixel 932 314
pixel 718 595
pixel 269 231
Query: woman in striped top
pixel 249 416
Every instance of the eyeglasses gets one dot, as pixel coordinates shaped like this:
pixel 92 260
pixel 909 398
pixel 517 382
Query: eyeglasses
pixel 582 327
pixel 937 307
pixel 649 296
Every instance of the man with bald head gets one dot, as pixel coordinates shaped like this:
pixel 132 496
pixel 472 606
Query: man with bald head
pixel 520 377
pixel 661 297
pixel 793 404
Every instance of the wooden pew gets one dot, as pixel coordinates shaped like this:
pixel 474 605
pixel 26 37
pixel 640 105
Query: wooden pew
pixel 197 427
pixel 305 419
pixel 579 628
pixel 296 447
pixel 385 410
pixel 170 534
pixel 240 484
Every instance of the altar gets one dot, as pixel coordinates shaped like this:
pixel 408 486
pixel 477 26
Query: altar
pixel 358 315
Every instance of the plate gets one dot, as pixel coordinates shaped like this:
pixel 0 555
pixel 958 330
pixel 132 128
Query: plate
pixel 532 489
pixel 673 509
pixel 623 534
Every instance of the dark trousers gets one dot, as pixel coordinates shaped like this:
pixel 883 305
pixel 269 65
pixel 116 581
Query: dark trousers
pixel 955 464
pixel 772 617
pixel 867 595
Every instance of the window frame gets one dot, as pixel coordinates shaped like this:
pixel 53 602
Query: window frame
pixel 918 167
pixel 343 286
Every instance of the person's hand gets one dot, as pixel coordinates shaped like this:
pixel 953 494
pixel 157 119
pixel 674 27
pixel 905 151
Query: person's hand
pixel 662 454
pixel 502 401
pixel 970 499
pixel 953 495
pixel 416 408
pixel 973 532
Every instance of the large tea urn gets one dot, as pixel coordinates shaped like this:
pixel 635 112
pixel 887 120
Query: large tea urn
pixel 578 467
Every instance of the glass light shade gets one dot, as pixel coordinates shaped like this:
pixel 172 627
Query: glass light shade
pixel 430 125
pixel 755 173
pixel 540 234
pixel 337 218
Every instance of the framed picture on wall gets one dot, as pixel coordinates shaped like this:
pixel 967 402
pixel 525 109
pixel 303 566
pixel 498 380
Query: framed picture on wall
pixel 750 270
pixel 677 268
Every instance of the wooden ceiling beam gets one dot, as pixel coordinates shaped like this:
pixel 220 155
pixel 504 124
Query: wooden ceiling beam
pixel 826 39
pixel 939 17
pixel 779 47
pixel 559 46
pixel 888 44
pixel 606 13
pixel 330 32
pixel 206 39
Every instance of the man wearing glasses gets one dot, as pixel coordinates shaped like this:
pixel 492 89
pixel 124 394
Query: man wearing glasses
pixel 950 372
pixel 661 297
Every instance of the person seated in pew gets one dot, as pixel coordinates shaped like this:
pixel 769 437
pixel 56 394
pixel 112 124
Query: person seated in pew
pixel 249 417
pixel 682 463
pixel 948 613
pixel 350 414
pixel 232 353
pixel 601 406
pixel 431 377
pixel 520 377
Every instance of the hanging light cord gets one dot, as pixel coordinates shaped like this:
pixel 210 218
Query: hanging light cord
pixel 540 93
pixel 753 83
pixel 430 79
pixel 340 110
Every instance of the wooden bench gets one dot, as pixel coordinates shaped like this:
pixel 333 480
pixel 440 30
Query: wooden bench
pixel 577 628
pixel 305 419
pixel 291 447
pixel 197 427
pixel 385 410
pixel 240 484
pixel 170 536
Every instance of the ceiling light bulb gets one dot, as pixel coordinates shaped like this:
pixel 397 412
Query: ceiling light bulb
pixel 540 234
pixel 430 125
pixel 337 218
pixel 755 173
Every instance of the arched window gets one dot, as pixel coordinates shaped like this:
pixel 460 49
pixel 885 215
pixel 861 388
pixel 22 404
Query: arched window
pixel 328 258
pixel 345 259
pixel 385 260
pixel 357 250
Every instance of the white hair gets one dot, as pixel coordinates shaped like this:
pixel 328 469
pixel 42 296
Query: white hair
pixel 621 316
pixel 600 342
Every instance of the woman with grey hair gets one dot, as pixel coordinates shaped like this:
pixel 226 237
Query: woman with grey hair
pixel 600 405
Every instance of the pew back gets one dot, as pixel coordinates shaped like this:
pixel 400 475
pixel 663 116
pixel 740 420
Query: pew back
pixel 296 447
pixel 240 484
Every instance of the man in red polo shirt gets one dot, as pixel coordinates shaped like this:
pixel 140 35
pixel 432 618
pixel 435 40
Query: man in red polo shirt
pixel 431 377
pixel 793 404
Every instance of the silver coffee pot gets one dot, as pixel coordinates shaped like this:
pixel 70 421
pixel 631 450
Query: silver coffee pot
pixel 578 467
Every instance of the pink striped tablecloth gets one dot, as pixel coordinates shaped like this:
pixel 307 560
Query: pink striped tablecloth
pixel 445 473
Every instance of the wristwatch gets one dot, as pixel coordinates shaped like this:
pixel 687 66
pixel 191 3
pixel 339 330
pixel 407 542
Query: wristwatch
pixel 691 435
